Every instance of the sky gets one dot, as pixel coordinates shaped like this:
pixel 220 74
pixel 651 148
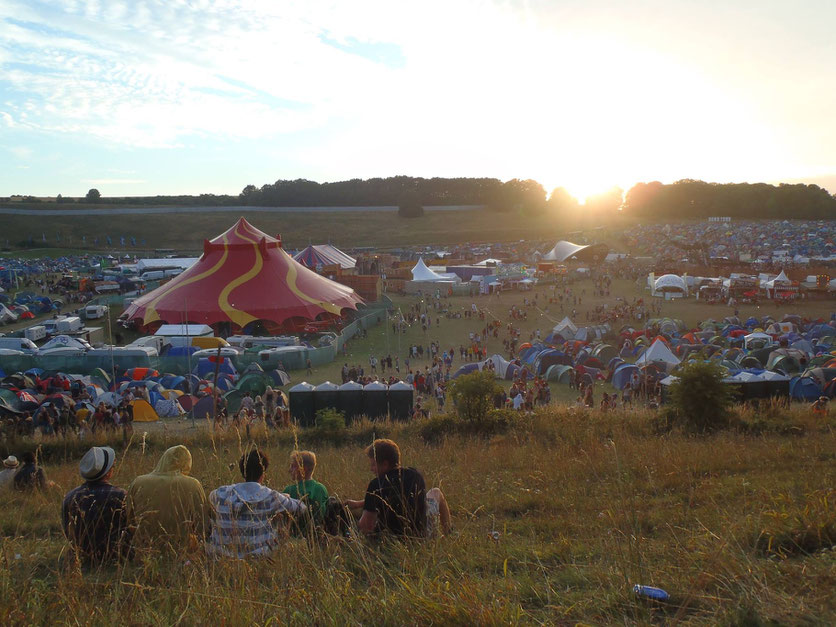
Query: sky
pixel 138 97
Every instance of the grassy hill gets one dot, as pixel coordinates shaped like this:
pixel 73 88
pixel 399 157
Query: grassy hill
pixel 555 521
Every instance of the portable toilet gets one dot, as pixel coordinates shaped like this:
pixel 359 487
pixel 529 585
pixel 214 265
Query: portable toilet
pixel 375 403
pixel 326 396
pixel 400 400
pixel 350 401
pixel 301 401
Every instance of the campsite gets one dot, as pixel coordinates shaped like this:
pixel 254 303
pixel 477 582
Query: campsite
pixel 559 510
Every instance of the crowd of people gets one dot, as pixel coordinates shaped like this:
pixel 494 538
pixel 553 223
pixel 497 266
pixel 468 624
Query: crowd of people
pixel 169 511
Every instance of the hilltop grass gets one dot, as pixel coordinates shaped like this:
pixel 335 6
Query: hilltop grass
pixel 554 523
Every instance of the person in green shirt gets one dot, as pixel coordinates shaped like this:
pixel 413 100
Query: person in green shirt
pixel 306 489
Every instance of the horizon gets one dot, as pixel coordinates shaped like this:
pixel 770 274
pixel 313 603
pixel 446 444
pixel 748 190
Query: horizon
pixel 143 99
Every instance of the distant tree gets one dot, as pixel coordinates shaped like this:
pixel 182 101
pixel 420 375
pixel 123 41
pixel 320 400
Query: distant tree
pixel 561 201
pixel 700 401
pixel 409 205
pixel 93 196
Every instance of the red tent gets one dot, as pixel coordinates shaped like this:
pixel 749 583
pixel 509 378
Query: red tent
pixel 243 275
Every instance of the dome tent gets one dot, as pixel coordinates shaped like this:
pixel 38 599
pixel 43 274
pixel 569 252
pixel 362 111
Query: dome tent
pixel 244 275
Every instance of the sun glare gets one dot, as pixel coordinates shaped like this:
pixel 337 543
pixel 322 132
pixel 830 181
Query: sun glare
pixel 580 188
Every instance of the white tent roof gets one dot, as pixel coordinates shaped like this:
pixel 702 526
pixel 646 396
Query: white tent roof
pixel 183 263
pixel 422 273
pixel 500 364
pixel 659 353
pixel 670 282
pixel 564 325
pixel 485 262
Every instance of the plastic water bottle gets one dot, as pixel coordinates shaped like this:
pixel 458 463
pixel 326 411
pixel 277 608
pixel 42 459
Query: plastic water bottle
pixel 649 592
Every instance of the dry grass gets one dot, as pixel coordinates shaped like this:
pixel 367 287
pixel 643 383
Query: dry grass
pixel 735 527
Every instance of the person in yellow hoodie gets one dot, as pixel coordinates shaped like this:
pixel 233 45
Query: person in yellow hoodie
pixel 167 509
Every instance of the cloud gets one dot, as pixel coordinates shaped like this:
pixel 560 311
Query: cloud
pixel 153 74
pixel 21 152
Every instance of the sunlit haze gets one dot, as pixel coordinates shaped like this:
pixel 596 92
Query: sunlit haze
pixel 168 97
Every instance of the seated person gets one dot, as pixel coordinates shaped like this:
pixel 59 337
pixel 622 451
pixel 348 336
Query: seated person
pixel 167 508
pixel 7 474
pixel 31 476
pixel 93 514
pixel 305 488
pixel 246 513
pixel 396 499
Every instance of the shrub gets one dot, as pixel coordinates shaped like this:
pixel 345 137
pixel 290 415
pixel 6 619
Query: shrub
pixel 473 394
pixel 434 429
pixel 699 399
pixel 330 425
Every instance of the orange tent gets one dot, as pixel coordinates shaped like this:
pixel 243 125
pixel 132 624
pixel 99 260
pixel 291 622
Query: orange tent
pixel 243 276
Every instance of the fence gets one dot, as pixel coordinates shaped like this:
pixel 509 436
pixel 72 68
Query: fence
pixel 84 364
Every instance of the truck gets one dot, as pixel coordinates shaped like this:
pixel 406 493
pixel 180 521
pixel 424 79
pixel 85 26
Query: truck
pixel 93 312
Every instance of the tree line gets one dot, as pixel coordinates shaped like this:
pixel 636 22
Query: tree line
pixel 698 199
pixel 653 201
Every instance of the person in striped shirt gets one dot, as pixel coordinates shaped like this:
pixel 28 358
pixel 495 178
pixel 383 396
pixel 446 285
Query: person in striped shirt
pixel 246 514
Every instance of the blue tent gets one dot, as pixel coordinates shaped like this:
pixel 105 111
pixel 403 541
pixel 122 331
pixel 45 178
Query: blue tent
pixel 622 374
pixel 205 366
pixel 804 389
pixel 181 351
pixel 466 369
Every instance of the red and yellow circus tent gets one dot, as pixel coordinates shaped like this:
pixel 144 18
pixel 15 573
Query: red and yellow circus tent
pixel 244 276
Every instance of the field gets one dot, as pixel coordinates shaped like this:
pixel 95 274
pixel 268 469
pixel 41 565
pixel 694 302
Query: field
pixel 186 231
pixel 554 523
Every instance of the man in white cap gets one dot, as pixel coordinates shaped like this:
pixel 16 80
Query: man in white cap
pixel 93 514
pixel 7 474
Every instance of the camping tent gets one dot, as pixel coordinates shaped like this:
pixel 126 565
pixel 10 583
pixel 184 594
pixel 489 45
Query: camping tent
pixel 660 354
pixel 566 328
pixel 143 412
pixel 244 275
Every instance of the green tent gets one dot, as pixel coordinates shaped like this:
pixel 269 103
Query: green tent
pixel 559 373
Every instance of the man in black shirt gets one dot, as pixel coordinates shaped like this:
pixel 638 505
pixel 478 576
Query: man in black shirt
pixel 93 514
pixel 396 500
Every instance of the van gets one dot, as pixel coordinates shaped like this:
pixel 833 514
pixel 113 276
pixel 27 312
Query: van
pixel 92 312
pixel 171 272
pixel 152 341
pixel 22 344
pixel 152 275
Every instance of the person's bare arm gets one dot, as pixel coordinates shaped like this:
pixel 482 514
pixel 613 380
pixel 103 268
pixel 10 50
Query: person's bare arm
pixel 367 522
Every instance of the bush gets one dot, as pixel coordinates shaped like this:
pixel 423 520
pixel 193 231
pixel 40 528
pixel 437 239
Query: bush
pixel 700 401
pixel 495 422
pixel 473 394
pixel 330 425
